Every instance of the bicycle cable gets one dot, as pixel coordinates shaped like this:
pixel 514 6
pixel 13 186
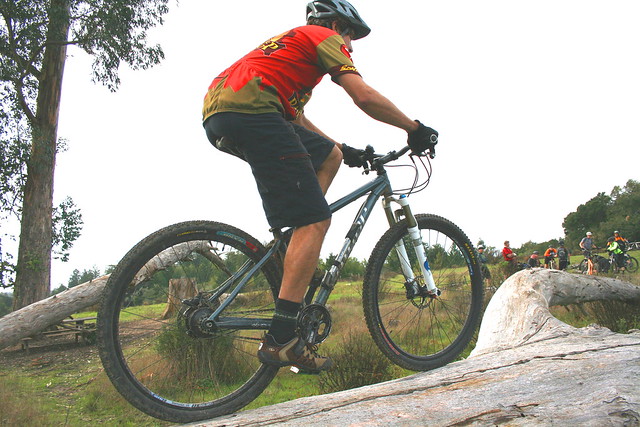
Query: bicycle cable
pixel 416 187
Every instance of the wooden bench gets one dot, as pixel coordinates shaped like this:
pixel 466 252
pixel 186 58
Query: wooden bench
pixel 83 327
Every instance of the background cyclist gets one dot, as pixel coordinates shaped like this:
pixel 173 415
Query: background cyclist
pixel 563 256
pixel 255 110
pixel 549 255
pixel 587 245
pixel 622 242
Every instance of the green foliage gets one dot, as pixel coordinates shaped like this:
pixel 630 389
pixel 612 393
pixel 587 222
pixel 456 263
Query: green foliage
pixel 6 301
pixel 353 269
pixel 78 278
pixel 112 32
pixel 67 225
pixel 59 289
pixel 605 213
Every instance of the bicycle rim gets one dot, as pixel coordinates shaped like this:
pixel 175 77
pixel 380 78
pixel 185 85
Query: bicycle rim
pixel 154 348
pixel 421 333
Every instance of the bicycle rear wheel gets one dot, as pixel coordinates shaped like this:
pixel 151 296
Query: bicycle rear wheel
pixel 422 333
pixel 158 352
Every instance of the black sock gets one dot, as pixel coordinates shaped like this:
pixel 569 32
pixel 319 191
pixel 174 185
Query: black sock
pixel 283 325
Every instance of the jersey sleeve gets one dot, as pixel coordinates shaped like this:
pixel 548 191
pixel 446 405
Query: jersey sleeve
pixel 333 57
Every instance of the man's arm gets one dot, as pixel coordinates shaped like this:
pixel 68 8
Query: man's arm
pixel 374 104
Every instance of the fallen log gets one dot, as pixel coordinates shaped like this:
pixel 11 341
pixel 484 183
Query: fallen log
pixel 518 312
pixel 527 368
pixel 39 316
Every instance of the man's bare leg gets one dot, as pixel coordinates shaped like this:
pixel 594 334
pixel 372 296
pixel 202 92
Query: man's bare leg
pixel 303 252
pixel 301 259
pixel 329 169
pixel 300 263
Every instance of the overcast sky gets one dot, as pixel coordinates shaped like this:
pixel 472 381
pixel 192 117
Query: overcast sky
pixel 537 105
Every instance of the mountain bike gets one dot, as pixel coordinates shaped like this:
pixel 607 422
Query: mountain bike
pixel 551 263
pixel 592 263
pixel 630 263
pixel 185 309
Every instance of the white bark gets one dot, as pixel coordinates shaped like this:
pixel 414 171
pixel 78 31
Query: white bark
pixel 519 313
pixel 527 369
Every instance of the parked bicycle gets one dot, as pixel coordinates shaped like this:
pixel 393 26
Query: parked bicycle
pixel 550 262
pixel 603 265
pixel 633 246
pixel 592 263
pixel 194 357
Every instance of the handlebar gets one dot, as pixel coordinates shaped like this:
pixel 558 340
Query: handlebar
pixel 375 161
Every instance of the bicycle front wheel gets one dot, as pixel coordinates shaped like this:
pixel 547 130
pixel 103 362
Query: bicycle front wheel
pixel 632 264
pixel 583 266
pixel 423 332
pixel 162 354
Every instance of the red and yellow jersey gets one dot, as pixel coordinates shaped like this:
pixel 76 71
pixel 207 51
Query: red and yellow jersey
pixel 280 74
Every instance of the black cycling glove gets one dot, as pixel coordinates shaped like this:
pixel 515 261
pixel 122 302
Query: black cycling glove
pixel 422 139
pixel 352 157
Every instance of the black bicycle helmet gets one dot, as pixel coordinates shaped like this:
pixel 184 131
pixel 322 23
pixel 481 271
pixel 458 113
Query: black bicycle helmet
pixel 323 9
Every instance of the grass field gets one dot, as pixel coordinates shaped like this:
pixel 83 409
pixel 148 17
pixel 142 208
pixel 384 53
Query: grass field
pixel 66 385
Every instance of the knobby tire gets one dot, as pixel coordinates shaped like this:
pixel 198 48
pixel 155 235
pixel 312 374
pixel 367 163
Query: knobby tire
pixel 142 333
pixel 419 333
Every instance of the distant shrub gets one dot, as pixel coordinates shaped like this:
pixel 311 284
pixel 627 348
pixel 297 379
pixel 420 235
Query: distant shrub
pixel 357 362
pixel 615 315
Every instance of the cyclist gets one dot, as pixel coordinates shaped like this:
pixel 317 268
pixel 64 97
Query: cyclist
pixel 510 257
pixel 613 247
pixel 484 264
pixel 563 256
pixel 533 260
pixel 549 254
pixel 586 244
pixel 622 242
pixel 255 111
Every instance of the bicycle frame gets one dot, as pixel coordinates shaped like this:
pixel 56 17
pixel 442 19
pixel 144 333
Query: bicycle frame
pixel 378 187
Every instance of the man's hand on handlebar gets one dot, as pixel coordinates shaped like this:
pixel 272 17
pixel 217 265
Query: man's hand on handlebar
pixel 423 139
pixel 353 157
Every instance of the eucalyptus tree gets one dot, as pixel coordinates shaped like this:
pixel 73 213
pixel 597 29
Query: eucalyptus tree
pixel 34 36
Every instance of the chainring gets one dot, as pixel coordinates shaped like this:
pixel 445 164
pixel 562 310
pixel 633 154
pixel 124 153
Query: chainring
pixel 314 323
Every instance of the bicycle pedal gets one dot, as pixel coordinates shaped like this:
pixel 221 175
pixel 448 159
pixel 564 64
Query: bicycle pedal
pixel 301 371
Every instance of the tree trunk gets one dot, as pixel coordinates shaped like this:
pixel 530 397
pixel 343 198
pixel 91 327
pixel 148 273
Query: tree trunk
pixel 528 368
pixel 33 268
pixel 179 289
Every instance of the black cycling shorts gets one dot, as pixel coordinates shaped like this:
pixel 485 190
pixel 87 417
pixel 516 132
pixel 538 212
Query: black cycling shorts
pixel 284 158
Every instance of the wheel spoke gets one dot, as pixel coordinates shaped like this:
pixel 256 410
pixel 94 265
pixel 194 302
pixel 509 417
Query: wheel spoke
pixel 163 351
pixel 422 332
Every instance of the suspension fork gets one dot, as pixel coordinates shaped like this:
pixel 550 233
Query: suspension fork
pixel 416 241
